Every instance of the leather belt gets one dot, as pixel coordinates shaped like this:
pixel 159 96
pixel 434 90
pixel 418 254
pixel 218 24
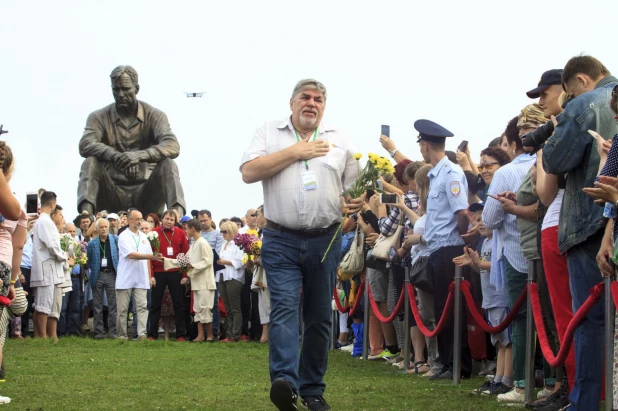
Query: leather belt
pixel 108 271
pixel 310 233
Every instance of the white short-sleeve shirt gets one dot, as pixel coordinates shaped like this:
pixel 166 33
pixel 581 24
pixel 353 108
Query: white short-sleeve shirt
pixel 132 273
pixel 286 202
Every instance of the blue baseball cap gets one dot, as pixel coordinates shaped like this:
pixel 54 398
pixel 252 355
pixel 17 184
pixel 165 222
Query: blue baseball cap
pixel 185 219
pixel 548 79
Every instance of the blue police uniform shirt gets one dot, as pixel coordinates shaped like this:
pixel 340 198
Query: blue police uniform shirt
pixel 448 193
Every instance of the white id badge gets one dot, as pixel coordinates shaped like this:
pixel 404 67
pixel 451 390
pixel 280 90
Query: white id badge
pixel 103 262
pixel 309 180
pixel 170 251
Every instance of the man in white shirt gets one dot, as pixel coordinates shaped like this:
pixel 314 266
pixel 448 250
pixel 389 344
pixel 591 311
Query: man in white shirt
pixel 304 166
pixel 132 275
pixel 47 269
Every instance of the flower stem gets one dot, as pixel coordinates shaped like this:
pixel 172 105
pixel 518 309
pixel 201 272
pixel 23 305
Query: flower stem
pixel 333 239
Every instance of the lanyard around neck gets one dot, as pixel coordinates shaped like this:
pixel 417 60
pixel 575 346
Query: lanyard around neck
pixel 103 247
pixel 136 241
pixel 169 242
pixel 315 134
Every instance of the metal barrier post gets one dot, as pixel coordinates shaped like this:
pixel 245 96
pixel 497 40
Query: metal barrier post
pixel 366 321
pixel 610 312
pixel 406 322
pixel 457 328
pixel 530 340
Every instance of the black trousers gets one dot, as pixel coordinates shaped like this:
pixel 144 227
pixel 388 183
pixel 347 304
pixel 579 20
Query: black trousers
pixel 442 271
pixel 172 280
pixel 245 303
pixel 30 298
pixel 256 325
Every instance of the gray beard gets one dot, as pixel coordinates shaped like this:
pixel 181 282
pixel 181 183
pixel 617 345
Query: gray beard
pixel 306 122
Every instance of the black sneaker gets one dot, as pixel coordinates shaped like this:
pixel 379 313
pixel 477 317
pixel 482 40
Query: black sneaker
pixel 283 395
pixel 482 388
pixel 555 402
pixel 314 403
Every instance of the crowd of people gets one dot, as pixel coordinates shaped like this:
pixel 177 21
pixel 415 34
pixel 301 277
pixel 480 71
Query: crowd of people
pixel 120 290
pixel 541 198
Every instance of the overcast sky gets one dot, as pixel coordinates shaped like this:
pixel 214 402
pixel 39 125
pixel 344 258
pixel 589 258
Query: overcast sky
pixel 465 65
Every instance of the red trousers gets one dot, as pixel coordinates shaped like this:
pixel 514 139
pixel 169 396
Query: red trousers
pixel 557 277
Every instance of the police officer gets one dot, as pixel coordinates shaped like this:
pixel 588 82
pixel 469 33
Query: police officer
pixel 447 203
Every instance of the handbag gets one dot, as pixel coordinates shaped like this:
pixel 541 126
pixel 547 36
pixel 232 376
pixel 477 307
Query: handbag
pixel 383 243
pixel 420 276
pixel 375 263
pixel 354 260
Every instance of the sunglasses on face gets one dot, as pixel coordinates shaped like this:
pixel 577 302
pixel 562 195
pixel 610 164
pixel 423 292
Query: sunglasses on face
pixel 486 166
pixel 224 232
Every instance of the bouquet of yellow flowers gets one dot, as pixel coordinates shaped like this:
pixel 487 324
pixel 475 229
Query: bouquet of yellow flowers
pixel 369 175
pixel 375 168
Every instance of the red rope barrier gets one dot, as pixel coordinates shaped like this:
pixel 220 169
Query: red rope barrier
pixel 556 361
pixel 347 309
pixel 417 317
pixel 376 309
pixel 615 293
pixel 478 317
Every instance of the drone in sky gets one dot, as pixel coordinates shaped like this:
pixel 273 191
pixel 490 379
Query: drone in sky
pixel 192 94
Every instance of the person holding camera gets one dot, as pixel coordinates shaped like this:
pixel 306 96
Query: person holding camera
pixel 447 220
pixel 571 150
pixel 550 190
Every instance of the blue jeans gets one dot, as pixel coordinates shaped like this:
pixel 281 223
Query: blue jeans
pixel 292 265
pixel 583 275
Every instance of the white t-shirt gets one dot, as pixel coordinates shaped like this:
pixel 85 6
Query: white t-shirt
pixel 553 211
pixel 132 273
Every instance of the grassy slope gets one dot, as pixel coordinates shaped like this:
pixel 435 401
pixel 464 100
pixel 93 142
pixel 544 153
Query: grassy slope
pixel 82 374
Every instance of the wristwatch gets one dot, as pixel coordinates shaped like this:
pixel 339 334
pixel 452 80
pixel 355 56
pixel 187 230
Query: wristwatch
pixel 392 153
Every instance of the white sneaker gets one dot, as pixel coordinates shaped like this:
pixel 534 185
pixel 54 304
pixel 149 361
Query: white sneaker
pixel 347 348
pixel 512 396
pixel 4 400
pixel 544 393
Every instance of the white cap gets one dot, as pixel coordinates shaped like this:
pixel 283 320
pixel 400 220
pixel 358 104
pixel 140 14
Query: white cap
pixel 113 216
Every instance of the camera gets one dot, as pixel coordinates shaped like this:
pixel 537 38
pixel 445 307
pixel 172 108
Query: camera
pixel 538 137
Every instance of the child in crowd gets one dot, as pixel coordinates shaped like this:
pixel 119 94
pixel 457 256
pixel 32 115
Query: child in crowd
pixel 495 304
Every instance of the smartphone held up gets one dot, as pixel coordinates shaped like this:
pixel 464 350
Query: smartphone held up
pixel 462 147
pixel 386 131
pixel 389 198
pixel 32 204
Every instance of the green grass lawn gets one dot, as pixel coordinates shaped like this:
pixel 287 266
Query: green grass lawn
pixel 83 374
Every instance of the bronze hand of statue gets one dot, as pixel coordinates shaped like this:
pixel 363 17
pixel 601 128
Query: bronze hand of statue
pixel 132 172
pixel 127 159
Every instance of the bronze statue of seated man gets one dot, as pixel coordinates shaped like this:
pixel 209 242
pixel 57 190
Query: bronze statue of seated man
pixel 129 149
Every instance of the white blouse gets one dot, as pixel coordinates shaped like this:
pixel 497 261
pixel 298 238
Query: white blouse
pixel 236 271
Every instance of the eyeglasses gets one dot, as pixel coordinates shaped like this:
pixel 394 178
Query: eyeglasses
pixel 224 231
pixel 486 166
